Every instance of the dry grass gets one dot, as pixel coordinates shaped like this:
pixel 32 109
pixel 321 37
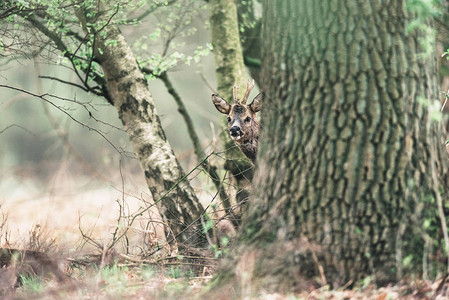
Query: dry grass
pixel 124 277
pixel 68 225
pixel 80 227
pixel 144 283
pixel 114 282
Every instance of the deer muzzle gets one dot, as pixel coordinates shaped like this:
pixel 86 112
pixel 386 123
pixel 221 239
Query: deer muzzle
pixel 235 132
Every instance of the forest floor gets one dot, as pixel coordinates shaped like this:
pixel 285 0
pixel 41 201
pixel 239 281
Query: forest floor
pixel 60 242
pixel 146 281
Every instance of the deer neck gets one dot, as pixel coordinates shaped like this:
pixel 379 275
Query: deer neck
pixel 250 142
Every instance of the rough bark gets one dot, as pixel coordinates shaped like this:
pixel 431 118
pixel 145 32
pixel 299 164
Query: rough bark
pixel 346 151
pixel 230 68
pixel 131 96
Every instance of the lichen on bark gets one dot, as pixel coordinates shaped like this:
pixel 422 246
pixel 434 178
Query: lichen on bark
pixel 126 85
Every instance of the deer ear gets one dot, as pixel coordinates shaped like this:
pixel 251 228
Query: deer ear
pixel 220 104
pixel 256 105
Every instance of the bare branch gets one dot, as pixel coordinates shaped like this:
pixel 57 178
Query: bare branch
pixel 66 53
pixel 199 152
pixel 84 105
pixel 150 10
pixel 15 125
pixel 94 89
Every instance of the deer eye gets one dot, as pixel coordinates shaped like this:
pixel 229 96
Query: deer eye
pixel 247 119
pixel 229 120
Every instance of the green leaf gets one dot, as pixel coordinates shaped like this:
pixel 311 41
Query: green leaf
pixel 407 261
pixel 426 223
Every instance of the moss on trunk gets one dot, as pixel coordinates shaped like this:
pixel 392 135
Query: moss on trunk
pixel 347 146
pixel 229 68
pixel 126 85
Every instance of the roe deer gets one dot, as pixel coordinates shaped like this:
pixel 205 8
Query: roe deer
pixel 242 123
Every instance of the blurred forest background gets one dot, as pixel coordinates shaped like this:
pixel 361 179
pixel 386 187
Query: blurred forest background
pixel 55 170
pixel 350 176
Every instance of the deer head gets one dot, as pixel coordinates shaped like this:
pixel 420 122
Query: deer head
pixel 242 123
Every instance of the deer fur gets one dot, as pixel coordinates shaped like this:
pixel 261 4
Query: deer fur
pixel 242 122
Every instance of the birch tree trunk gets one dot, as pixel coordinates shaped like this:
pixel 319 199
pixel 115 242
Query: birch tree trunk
pixel 350 158
pixel 127 87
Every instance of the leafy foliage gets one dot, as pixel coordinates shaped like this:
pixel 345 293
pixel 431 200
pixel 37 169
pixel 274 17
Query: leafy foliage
pixel 51 29
pixel 424 10
pixel 173 26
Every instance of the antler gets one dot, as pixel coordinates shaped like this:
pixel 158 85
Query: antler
pixel 249 87
pixel 234 92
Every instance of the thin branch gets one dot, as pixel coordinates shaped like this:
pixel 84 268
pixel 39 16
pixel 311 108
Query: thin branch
pixel 89 65
pixel 445 100
pixel 206 82
pixel 199 152
pixel 62 134
pixel 75 35
pixel 53 37
pixel 139 214
pixel 87 238
pixel 18 126
pixel 317 262
pixel 91 59
pixel 43 97
pixel 66 53
pixel 150 11
pixel 82 87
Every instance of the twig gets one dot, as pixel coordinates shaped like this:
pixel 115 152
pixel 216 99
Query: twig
pixel 149 11
pixel 43 97
pixel 315 259
pixel 87 238
pixel 187 257
pixel 186 264
pixel 121 211
pixel 189 225
pixel 92 90
pixel 62 134
pixel 214 91
pixel 199 152
pixel 18 126
pixel 440 286
pixel 445 100
pixel 207 233
pixel 60 45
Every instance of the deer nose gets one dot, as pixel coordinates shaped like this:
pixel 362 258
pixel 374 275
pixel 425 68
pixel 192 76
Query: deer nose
pixel 235 131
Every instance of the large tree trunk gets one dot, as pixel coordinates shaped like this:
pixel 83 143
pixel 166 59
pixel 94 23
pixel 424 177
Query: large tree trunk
pixel 348 147
pixel 128 89
pixel 229 68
